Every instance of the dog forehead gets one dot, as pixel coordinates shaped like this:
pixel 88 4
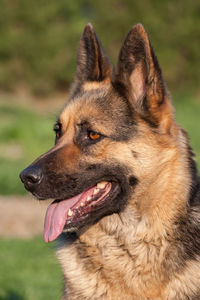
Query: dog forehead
pixel 79 109
pixel 104 110
pixel 105 113
pixel 92 104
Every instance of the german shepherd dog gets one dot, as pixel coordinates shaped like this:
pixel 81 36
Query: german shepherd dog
pixel 127 193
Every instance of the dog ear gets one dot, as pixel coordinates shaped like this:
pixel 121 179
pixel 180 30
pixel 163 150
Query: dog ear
pixel 92 62
pixel 139 78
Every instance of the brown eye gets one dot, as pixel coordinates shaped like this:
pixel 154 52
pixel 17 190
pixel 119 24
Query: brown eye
pixel 93 135
pixel 57 129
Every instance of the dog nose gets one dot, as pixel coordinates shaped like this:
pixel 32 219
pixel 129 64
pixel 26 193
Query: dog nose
pixel 31 176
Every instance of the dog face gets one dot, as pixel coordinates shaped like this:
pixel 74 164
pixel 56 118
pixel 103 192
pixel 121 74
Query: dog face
pixel 112 136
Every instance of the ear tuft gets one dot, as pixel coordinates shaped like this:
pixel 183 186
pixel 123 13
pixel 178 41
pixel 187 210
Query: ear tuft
pixel 88 30
pixel 139 76
pixel 92 62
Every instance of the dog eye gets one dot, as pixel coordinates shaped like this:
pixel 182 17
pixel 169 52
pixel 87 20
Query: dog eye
pixel 93 136
pixel 57 129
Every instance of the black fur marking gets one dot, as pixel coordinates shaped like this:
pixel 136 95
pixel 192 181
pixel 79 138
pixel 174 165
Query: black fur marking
pixel 133 180
pixel 117 114
pixel 92 62
pixel 194 198
pixel 135 154
pixel 134 52
pixel 187 235
pixel 70 237
pixel 92 167
pixel 151 122
pixel 60 183
pixel 187 230
pixel 122 115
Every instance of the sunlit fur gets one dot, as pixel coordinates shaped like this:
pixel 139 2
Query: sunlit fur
pixel 137 253
pixel 145 244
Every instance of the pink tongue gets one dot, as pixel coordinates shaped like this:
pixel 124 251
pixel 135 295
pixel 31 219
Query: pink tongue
pixel 56 216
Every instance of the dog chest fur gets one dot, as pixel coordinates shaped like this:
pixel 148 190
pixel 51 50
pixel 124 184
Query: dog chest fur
pixel 103 265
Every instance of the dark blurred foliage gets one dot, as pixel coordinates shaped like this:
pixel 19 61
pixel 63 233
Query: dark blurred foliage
pixel 39 39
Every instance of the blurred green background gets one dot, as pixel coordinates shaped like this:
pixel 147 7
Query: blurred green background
pixel 38 44
pixel 39 38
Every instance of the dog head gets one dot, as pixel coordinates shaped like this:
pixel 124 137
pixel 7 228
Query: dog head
pixel 113 135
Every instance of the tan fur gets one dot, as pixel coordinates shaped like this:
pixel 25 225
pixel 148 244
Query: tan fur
pixel 93 85
pixel 135 250
pixel 184 282
pixel 123 253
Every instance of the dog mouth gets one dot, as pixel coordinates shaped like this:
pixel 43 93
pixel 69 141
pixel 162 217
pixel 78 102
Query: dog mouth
pixel 69 212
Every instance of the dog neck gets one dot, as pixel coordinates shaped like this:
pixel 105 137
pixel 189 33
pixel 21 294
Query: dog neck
pixel 155 205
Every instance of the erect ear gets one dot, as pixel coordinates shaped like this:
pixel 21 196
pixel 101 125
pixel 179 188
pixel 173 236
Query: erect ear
pixel 92 62
pixel 139 78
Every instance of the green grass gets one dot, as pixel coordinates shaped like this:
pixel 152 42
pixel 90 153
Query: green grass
pixel 29 270
pixel 187 115
pixel 24 135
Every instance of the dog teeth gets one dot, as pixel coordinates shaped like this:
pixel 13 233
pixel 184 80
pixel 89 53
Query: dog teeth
pixel 88 198
pixel 70 213
pixel 101 185
pixel 82 204
pixel 95 191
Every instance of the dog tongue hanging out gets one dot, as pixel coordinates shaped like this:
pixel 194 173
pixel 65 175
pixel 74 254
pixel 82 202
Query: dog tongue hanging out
pixel 64 212
pixel 127 208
